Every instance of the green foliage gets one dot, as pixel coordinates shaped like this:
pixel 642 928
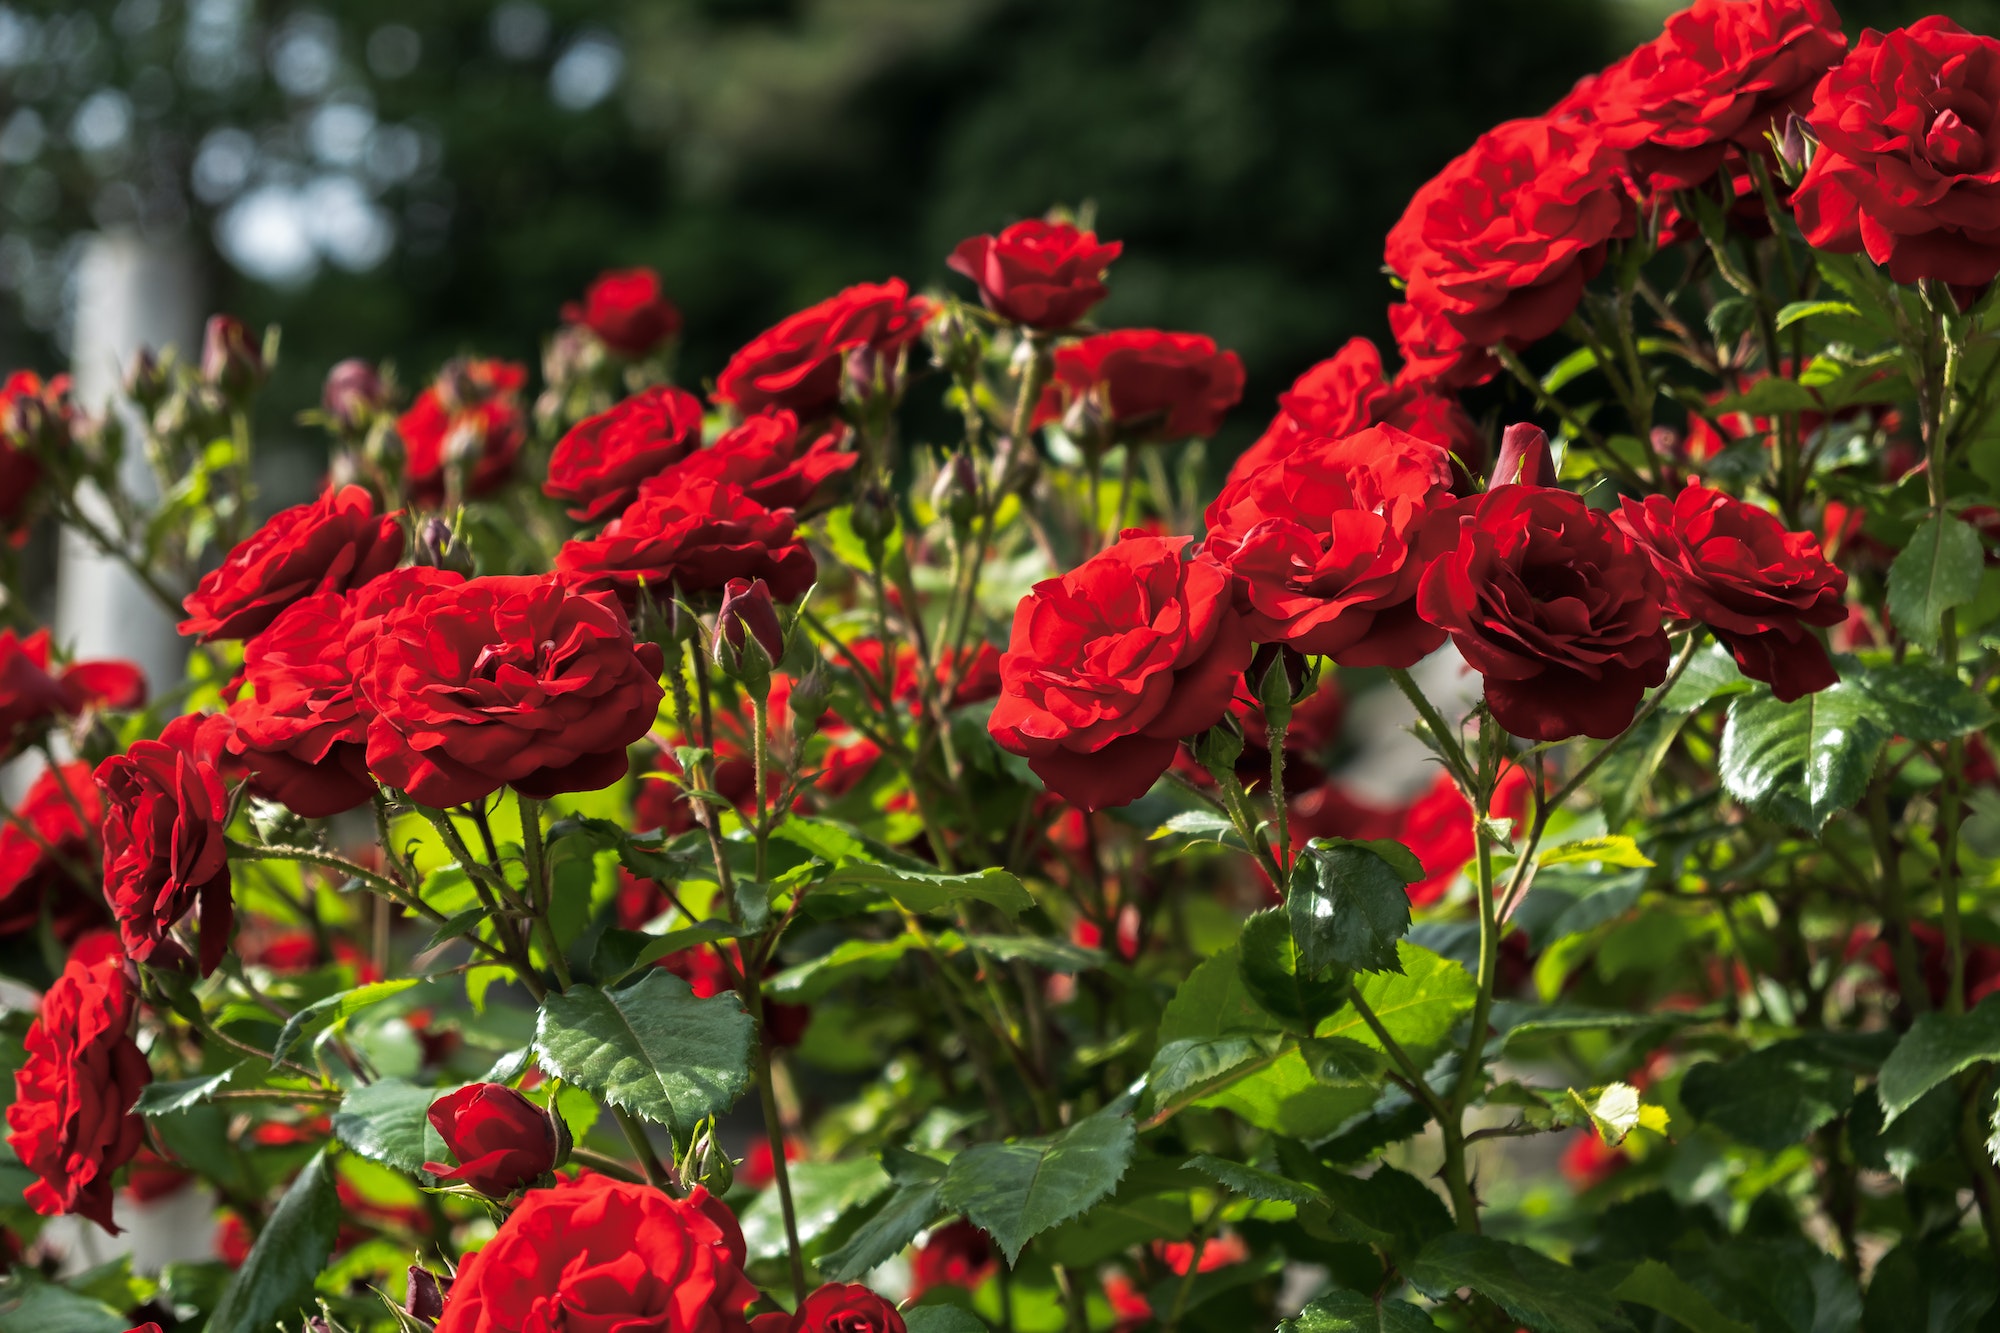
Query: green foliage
pixel 1348 905
pixel 387 1122
pixel 277 1278
pixel 1936 1047
pixel 651 1048
pixel 1017 1190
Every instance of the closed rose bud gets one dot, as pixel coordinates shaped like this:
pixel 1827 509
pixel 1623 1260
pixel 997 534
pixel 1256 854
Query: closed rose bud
pixel 145 381
pixel 1795 147
pixel 353 395
pixel 955 495
pixel 502 1140
pixel 230 361
pixel 808 704
pixel 424 1301
pixel 873 516
pixel 1524 457
pixel 749 640
pixel 441 548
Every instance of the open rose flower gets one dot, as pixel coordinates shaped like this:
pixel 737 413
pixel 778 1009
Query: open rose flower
pixel 335 543
pixel 778 463
pixel 49 859
pixel 1147 385
pixel 1548 600
pixel 1434 350
pixel 1348 391
pixel 798 363
pixel 505 681
pixel 1327 544
pixel 597 466
pixel 469 419
pixel 165 852
pixel 1115 663
pixel 695 538
pixel 598 1254
pixel 71 1122
pixel 502 1140
pixel 1734 568
pixel 32 698
pixel 1044 275
pixel 627 311
pixel 1908 165
pixel 837 1307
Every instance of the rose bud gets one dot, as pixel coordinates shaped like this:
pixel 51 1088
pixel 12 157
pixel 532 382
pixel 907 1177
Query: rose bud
pixel 1795 145
pixel 146 381
pixel 441 548
pixel 873 516
pixel 502 1140
pixel 425 1299
pixel 706 1164
pixel 230 361
pixel 955 495
pixel 1524 457
pixel 748 618
pixel 353 395
pixel 808 704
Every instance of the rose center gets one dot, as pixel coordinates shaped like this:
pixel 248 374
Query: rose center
pixel 1954 145
pixel 496 655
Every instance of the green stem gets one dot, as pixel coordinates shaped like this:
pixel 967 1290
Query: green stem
pixel 656 1171
pixel 541 892
pixel 1447 742
pixel 774 1132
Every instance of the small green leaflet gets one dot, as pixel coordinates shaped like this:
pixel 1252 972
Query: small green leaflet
pixel 651 1048
pixel 1349 904
pixel 387 1121
pixel 335 1009
pixel 1938 570
pixel 1804 761
pixel 1616 850
pixel 1536 1290
pixel 277 1278
pixel 1015 1191
pixel 1936 1047
pixel 167 1098
pixel 923 891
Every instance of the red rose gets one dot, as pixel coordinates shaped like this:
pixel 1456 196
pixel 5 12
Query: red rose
pixel 505 681
pixel 957 1254
pixel 1347 391
pixel 627 311
pixel 1327 544
pixel 1045 275
pixel 1500 243
pixel 1112 665
pixel 1149 385
pixel 1438 828
pixel 1717 78
pixel 797 363
pixel 1734 568
pixel 777 465
pixel 31 699
pixel 335 543
pixel 1434 349
pixel 597 467
pixel 597 1254
pixel 1548 600
pixel 71 1121
pixel 32 411
pixel 694 538
pixel 837 1307
pixel 503 1141
pixel 469 418
pixel 165 853
pixel 1908 166
pixel 56 866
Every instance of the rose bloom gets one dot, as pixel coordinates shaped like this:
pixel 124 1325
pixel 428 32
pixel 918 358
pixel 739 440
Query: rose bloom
pixel 837 1307
pixel 1113 664
pixel 1435 351
pixel 957 1254
pixel 1734 568
pixel 32 699
pixel 595 1253
pixel 1044 275
pixel 776 462
pixel 1500 243
pixel 1716 79
pixel 1327 544
pixel 71 1122
pixel 597 467
pixel 503 1141
pixel 505 681
pixel 1548 600
pixel 1149 385
pixel 1908 165
pixel 56 867
pixel 335 543
pixel 165 852
pixel 627 311
pixel 798 362
pixel 472 414
pixel 692 538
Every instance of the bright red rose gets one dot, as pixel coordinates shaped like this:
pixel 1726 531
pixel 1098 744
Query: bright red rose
pixel 1908 166
pixel 1716 79
pixel 32 411
pixel 1045 275
pixel 627 311
pixel 1327 543
pixel 470 417
pixel 57 866
pixel 1219 1252
pixel 797 363
pixel 505 681
pixel 957 1254
pixel 503 1141
pixel 837 1307
pixel 1434 350
pixel 759 1167
pixel 1548 600
pixel 1500 243
pixel 1348 391
pixel 1113 664
pixel 165 853
pixel 32 699
pixel 71 1121
pixel 597 1254
pixel 692 538
pixel 1437 828
pixel 1734 568
pixel 776 463
pixel 335 543
pixel 597 467
pixel 1147 384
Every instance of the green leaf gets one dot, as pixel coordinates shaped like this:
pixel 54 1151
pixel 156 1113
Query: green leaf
pixel 652 1048
pixel 822 1194
pixel 1349 905
pixel 1189 1069
pixel 921 891
pixel 276 1280
pixel 942 1319
pixel 1418 1006
pixel 1795 311
pixel 387 1121
pixel 181 1094
pixel 1616 850
pixel 30 1303
pixel 892 1228
pixel 1772 1098
pixel 1657 1287
pixel 1352 1312
pixel 1390 1208
pixel 1252 1183
pixel 1928 1287
pixel 1515 1019
pixel 1546 1296
pixel 620 953
pixel 1936 1047
pixel 1803 761
pixel 1924 702
pixel 1576 363
pixel 1277 977
pixel 1052 955
pixel 1710 674
pixel 849 960
pixel 1213 1002
pixel 1015 1191
pixel 1770 396
pixel 1923 1133
pixel 337 1008
pixel 1614 1109
pixel 1938 569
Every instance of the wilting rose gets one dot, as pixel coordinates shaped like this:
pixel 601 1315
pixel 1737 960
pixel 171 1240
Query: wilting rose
pixel 597 467
pixel 165 850
pixel 502 1140
pixel 627 311
pixel 1045 275
pixel 470 418
pixel 1147 384
pixel 692 538
pixel 798 362
pixel 335 543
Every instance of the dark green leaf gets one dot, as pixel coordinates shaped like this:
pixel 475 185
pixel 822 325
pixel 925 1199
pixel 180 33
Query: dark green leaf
pixel 335 1009
pixel 276 1280
pixel 1711 673
pixel 1389 1208
pixel 1192 1067
pixel 31 1304
pixel 912 1207
pixel 1017 1190
pixel 1052 955
pixel 387 1121
pixel 1936 1047
pixel 620 953
pixel 1657 1287
pixel 652 1048
pixel 1769 396
pixel 1803 761
pixel 1928 1287
pixel 1349 905
pixel 942 1319
pixel 1923 702
pixel 822 1194
pixel 920 891
pixel 850 960
pixel 1938 569
pixel 1546 1296
pixel 1923 1133
pixel 1795 311
pixel 1352 1312
pixel 167 1098
pixel 1772 1098
pixel 1277 978
pixel 1252 1183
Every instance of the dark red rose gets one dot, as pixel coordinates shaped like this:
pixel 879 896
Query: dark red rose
pixel 470 418
pixel 503 1141
pixel 777 465
pixel 32 699
pixel 1908 167
pixel 1500 243
pixel 33 413
pixel 1045 275
pixel 1327 543
pixel 1718 78
pixel 165 853
pixel 1548 600
pixel 957 1254
pixel 694 538
pixel 1438 828
pixel 56 867
pixel 627 311
pixel 597 1254
pixel 335 543
pixel 597 467
pixel 1146 384
pixel 837 1307
pixel 71 1121
pixel 505 681
pixel 1524 459
pixel 1734 568
pixel 1115 663
pixel 798 363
